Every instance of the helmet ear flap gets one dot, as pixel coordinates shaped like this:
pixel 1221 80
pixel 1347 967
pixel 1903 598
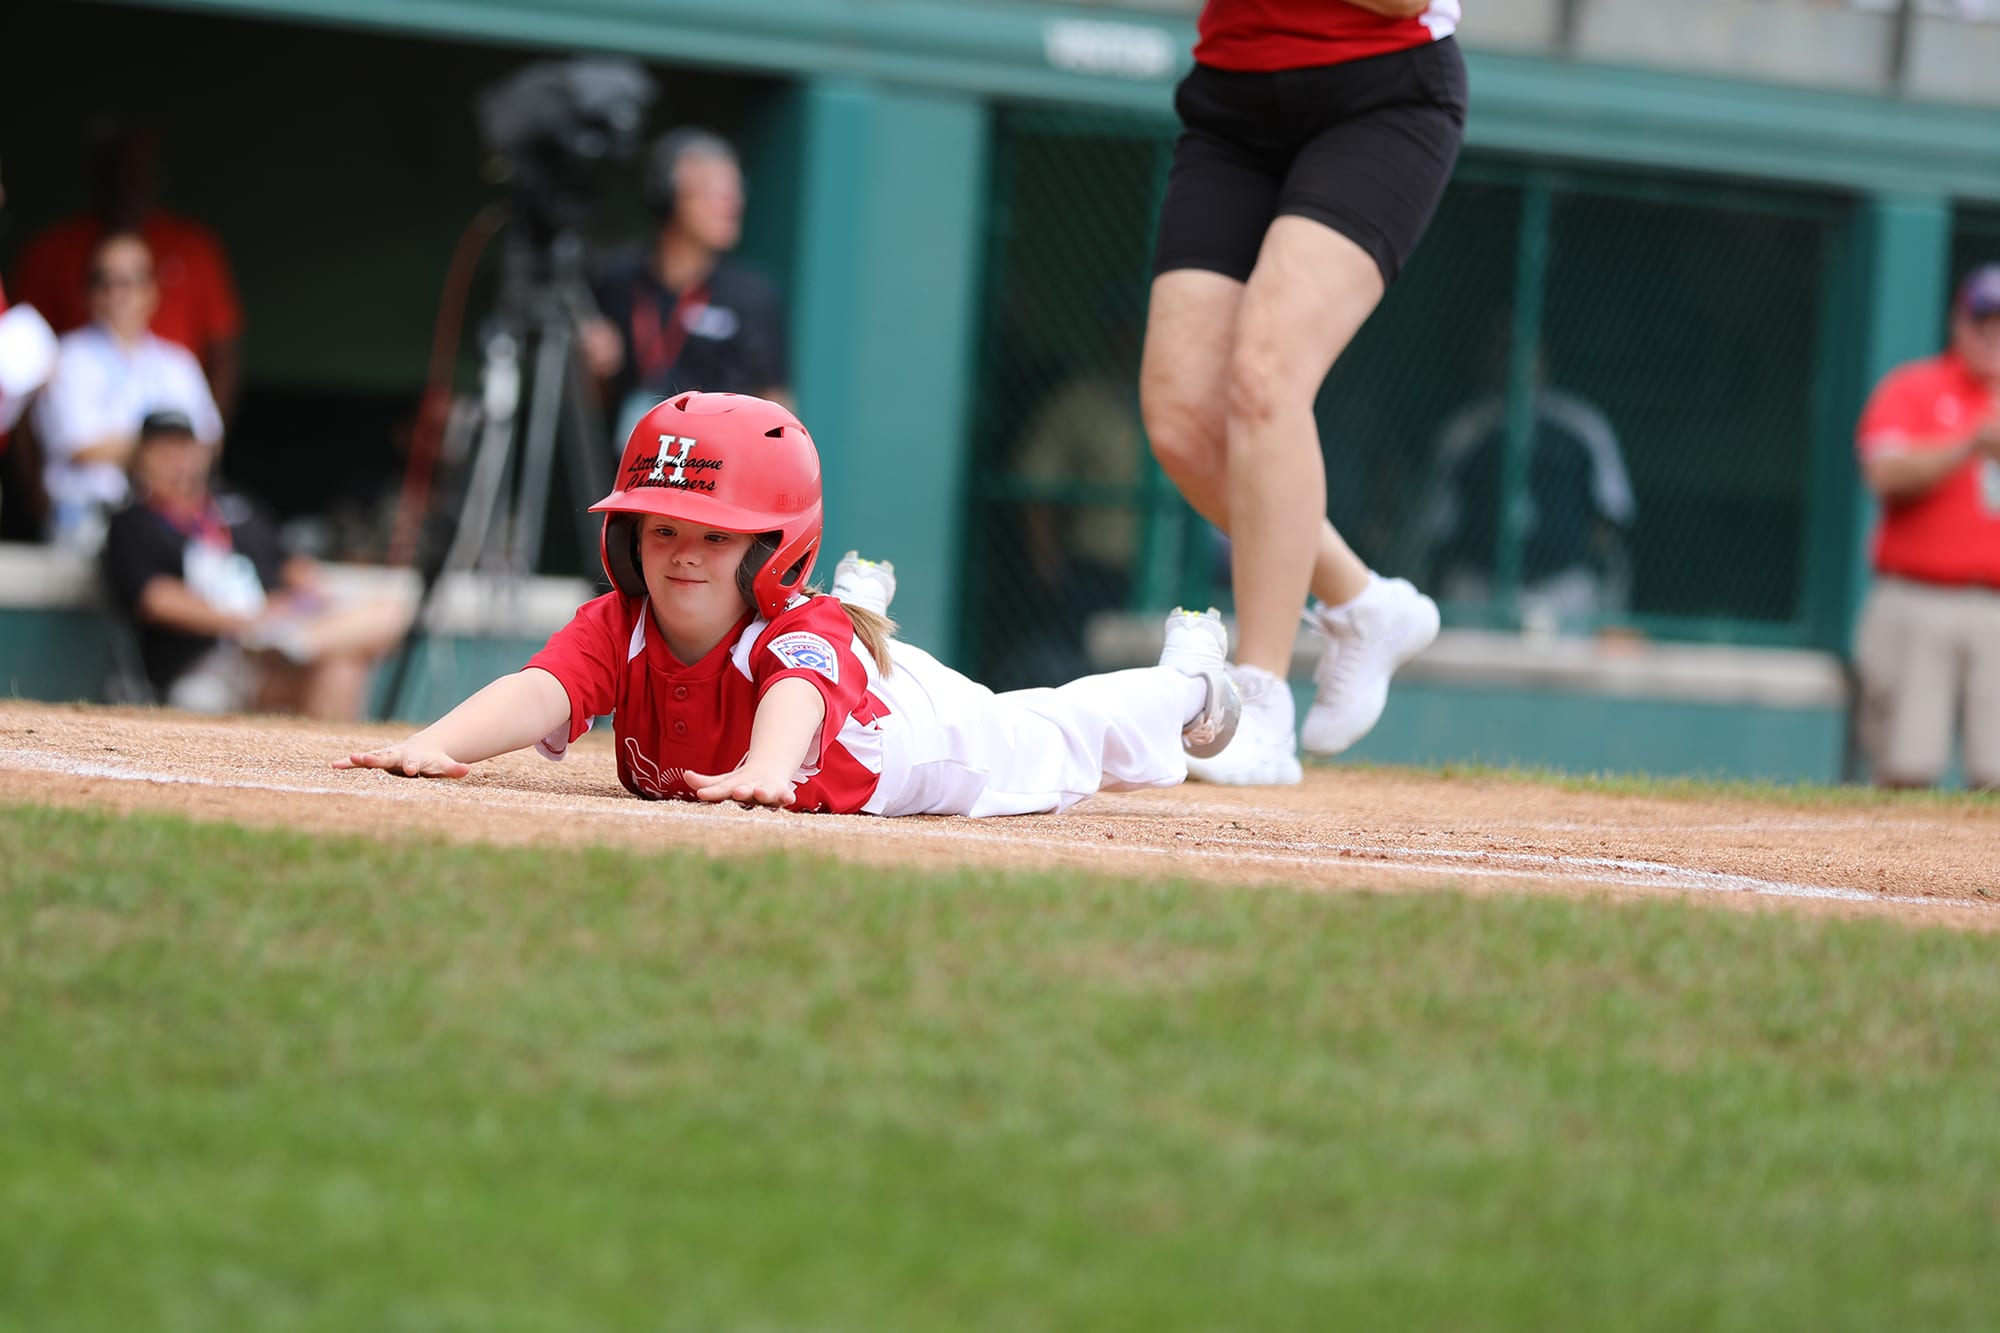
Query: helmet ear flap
pixel 791 580
pixel 782 567
pixel 621 554
pixel 749 574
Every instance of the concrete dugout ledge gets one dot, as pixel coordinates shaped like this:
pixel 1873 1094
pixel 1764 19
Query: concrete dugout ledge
pixel 1612 667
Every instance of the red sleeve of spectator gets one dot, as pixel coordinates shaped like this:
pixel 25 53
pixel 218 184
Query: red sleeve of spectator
pixel 815 643
pixel 50 275
pixel 588 656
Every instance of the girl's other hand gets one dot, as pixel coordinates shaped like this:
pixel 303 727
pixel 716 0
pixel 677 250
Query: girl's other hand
pixel 747 785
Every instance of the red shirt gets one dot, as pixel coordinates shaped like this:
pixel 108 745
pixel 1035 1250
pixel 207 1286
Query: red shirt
pixel 1951 533
pixel 671 718
pixel 1264 35
pixel 198 302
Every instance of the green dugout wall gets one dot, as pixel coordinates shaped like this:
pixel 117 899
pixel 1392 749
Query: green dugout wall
pixel 879 132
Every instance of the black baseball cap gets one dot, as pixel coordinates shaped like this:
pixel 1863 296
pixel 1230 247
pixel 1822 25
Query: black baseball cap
pixel 1979 294
pixel 158 424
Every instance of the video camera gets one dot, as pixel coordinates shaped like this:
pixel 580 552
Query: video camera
pixel 552 124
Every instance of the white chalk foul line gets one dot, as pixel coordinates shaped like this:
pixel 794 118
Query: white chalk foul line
pixel 1617 872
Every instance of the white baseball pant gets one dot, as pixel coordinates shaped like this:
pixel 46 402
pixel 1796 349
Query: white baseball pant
pixel 953 747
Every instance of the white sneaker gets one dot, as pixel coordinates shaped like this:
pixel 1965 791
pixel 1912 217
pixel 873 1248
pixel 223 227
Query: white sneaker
pixel 278 634
pixel 869 584
pixel 1366 641
pixel 1198 645
pixel 1264 752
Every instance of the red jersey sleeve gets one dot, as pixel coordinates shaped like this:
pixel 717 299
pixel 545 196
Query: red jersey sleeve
pixel 588 656
pixel 814 642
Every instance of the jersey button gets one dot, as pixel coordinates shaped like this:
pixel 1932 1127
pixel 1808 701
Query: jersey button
pixel 680 691
pixel 680 727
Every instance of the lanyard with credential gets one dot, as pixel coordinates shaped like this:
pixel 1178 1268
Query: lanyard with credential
pixel 203 524
pixel 656 347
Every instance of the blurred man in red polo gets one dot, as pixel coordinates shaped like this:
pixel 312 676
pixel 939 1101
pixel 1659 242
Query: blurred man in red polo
pixel 1928 648
pixel 198 304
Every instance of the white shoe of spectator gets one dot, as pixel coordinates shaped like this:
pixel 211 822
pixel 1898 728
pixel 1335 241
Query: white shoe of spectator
pixel 1366 642
pixel 1264 751
pixel 868 584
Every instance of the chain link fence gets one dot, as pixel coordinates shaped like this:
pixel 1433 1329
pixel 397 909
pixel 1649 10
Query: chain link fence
pixel 1592 402
pixel 1065 497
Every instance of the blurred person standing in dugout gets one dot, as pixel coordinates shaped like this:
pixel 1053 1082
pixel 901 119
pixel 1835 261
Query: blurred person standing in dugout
pixel 197 305
pixel 681 313
pixel 1928 645
pixel 1317 139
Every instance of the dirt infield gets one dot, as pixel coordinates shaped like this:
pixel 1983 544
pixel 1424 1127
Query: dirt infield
pixel 1936 864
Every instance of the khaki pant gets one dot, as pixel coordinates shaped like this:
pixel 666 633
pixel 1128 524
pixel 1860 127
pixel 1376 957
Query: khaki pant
pixel 1927 656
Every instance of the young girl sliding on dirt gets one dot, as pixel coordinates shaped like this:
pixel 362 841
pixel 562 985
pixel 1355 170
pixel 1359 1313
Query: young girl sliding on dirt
pixel 729 679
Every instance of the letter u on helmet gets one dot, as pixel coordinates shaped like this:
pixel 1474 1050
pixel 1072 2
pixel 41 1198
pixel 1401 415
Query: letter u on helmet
pixel 719 460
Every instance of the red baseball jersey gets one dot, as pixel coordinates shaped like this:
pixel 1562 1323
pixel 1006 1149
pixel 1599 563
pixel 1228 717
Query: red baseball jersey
pixel 1950 534
pixel 670 718
pixel 1265 35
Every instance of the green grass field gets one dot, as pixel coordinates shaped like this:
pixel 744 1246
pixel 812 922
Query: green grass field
pixel 257 1081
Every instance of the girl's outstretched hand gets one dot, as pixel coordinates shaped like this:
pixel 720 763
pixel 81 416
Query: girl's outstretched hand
pixel 744 784
pixel 408 760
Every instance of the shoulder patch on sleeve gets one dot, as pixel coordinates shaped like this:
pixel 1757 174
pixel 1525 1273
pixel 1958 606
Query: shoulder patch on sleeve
pixel 806 650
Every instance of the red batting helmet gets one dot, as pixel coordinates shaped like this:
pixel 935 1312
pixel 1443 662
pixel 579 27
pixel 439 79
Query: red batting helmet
pixel 719 460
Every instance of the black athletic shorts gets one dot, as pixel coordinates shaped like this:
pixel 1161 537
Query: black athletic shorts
pixel 1365 147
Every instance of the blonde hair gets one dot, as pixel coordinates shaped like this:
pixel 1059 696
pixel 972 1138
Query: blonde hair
pixel 873 629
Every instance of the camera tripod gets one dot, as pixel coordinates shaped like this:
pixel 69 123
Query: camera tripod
pixel 534 401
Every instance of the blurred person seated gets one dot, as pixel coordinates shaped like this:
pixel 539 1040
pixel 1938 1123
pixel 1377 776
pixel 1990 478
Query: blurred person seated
pixel 198 306
pixel 1575 564
pixel 681 313
pixel 1086 434
pixel 226 621
pixel 108 376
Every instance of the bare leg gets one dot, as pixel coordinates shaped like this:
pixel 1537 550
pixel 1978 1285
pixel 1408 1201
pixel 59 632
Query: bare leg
pixel 370 627
pixel 335 689
pixel 1184 383
pixel 1191 333
pixel 1308 296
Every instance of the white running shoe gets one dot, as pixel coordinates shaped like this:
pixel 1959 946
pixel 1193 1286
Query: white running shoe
pixel 869 584
pixel 1264 751
pixel 1198 645
pixel 1366 641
